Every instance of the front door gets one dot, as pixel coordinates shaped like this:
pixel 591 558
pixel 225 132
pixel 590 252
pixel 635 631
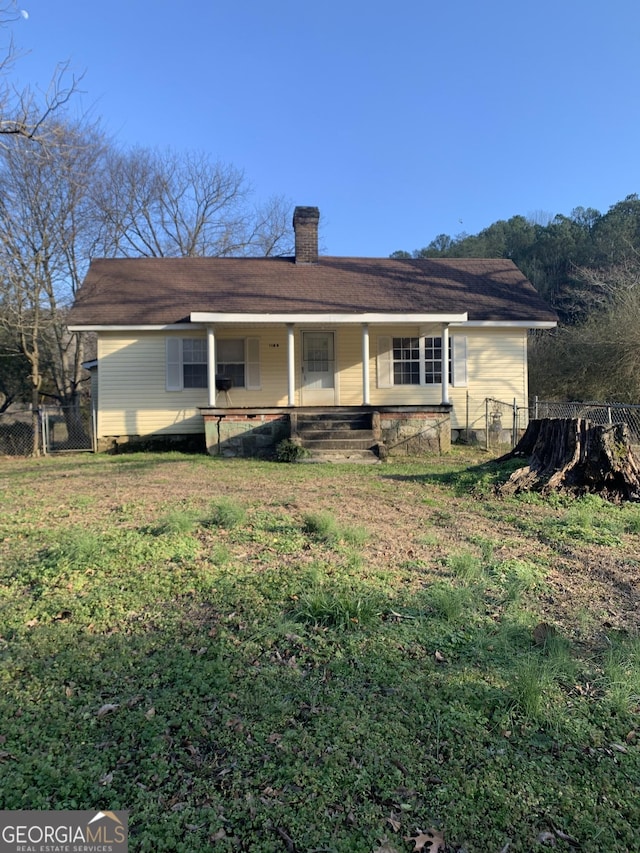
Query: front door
pixel 318 369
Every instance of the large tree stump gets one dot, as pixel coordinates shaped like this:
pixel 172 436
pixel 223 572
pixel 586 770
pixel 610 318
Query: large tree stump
pixel 573 455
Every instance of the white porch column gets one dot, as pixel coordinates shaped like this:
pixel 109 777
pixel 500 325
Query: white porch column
pixel 366 396
pixel 211 365
pixel 445 364
pixel 291 365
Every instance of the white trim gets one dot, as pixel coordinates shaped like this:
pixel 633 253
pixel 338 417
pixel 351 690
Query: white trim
pixel 506 324
pixel 200 319
pixel 169 327
pixel 211 365
pixel 366 396
pixel 333 319
pixel 291 365
pixel 444 349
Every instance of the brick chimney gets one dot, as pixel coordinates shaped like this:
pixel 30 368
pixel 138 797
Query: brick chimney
pixel 305 226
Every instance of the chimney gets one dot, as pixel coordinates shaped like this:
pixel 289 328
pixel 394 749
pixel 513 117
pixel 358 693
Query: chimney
pixel 305 226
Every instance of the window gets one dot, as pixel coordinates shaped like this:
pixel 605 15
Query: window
pixel 433 361
pixel 418 361
pixel 406 361
pixel 194 363
pixel 231 359
pixel 237 358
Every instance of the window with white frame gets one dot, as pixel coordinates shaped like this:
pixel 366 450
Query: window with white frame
pixel 231 361
pixel 194 363
pixel 417 360
pixel 238 359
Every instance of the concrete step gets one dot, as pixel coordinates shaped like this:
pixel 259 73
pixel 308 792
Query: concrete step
pixel 318 423
pixel 337 444
pixel 360 457
pixel 338 434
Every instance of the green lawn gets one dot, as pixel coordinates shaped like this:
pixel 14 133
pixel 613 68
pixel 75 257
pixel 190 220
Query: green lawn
pixel 269 657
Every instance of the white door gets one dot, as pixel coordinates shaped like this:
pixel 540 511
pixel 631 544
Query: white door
pixel 318 369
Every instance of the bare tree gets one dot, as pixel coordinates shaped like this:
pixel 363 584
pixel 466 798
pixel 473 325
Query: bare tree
pixel 156 204
pixel 599 358
pixel 24 112
pixel 46 233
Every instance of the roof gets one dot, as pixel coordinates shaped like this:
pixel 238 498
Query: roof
pixel 163 291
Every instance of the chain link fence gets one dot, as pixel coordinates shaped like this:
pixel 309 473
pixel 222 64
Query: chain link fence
pixel 598 413
pixel 53 429
pixel 505 423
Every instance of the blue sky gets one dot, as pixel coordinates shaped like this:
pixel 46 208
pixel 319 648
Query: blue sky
pixel 400 121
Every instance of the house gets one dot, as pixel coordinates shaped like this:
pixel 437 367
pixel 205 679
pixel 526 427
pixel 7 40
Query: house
pixel 246 351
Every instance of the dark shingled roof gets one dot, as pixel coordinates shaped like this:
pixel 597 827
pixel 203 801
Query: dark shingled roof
pixel 159 291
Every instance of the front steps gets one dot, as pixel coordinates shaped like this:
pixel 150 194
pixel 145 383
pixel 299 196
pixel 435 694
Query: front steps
pixel 339 436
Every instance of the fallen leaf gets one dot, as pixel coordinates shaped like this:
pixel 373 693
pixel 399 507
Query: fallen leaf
pixel 631 736
pixel 568 838
pixel 219 835
pixel 7 756
pixel 150 714
pixel 547 838
pixel 440 658
pixel 430 841
pixel 385 848
pixel 107 779
pixel 106 709
pixel 394 821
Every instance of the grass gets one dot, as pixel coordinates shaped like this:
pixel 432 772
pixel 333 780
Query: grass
pixel 317 658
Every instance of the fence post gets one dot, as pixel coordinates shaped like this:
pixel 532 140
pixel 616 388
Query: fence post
pixel 535 407
pixel 44 429
pixel 486 423
pixel 515 424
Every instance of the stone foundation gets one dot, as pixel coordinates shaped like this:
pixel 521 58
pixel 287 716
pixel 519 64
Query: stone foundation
pixel 413 433
pixel 188 443
pixel 245 435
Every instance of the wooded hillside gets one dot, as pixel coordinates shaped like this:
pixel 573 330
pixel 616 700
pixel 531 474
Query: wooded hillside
pixel 587 265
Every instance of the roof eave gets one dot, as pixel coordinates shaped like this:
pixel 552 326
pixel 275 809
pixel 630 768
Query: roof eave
pixel 334 318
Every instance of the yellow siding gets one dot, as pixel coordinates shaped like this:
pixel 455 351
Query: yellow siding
pixel 134 400
pixel 496 367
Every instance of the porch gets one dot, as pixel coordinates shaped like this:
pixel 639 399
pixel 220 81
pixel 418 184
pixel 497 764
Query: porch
pixel 339 432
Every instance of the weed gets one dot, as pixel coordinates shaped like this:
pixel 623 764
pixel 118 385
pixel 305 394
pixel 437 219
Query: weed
pixel 290 451
pixel 176 521
pixel 337 605
pixel 226 513
pixel 323 527
pixel 466 566
pixel 622 674
pixel 450 602
pixel 529 684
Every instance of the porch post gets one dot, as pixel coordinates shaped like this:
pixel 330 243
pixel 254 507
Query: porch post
pixel 445 364
pixel 291 365
pixel 365 365
pixel 211 365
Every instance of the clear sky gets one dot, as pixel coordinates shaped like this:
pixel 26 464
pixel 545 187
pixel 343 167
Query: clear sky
pixel 399 120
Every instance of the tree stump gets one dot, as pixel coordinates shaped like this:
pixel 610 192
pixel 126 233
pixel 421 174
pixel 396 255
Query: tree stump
pixel 575 456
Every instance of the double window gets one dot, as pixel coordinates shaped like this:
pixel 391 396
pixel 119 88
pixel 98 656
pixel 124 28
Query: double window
pixel 237 359
pixel 417 360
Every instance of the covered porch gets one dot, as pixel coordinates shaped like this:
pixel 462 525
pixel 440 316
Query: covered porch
pixel 325 360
